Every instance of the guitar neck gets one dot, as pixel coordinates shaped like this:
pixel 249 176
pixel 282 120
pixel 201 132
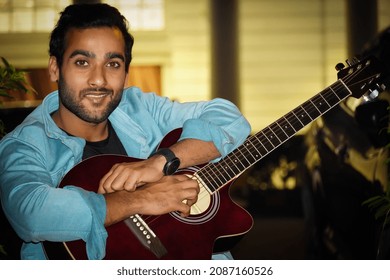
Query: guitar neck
pixel 256 147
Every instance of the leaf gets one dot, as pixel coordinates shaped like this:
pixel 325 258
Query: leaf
pixel 5 62
pixel 2 250
pixel 5 93
pixel 20 86
pixel 372 199
pixel 382 211
pixel 13 79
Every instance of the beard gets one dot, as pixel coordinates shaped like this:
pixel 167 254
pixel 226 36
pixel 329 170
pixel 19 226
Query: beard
pixel 73 102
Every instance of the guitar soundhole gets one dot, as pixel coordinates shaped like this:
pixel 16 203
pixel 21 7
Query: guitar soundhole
pixel 204 209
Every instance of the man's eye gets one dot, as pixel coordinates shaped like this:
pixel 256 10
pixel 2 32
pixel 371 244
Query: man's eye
pixel 81 63
pixel 114 64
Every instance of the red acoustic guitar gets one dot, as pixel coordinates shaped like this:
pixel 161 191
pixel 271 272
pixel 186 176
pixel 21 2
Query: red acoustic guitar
pixel 215 218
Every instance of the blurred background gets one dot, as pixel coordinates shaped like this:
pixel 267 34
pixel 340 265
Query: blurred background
pixel 268 57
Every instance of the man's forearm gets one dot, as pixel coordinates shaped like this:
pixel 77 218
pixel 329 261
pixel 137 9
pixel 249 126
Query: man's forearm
pixel 193 152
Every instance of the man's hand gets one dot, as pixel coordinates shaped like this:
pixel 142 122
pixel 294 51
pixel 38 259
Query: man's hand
pixel 170 193
pixel 130 175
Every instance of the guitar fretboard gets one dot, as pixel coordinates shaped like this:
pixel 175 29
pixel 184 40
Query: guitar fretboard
pixel 256 147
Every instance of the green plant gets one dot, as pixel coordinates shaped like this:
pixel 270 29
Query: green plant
pixel 12 80
pixel 380 204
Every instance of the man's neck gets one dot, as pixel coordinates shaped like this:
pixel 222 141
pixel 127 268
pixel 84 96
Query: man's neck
pixel 74 126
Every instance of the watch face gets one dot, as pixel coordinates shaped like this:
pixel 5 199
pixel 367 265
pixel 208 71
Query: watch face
pixel 171 166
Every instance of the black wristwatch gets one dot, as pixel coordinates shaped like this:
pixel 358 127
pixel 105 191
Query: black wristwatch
pixel 172 163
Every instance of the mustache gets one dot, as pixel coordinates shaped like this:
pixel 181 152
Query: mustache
pixel 96 90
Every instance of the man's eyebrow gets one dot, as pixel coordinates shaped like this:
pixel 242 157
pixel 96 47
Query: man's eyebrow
pixel 115 55
pixel 83 53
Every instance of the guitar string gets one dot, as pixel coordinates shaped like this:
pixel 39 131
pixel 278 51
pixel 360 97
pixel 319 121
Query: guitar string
pixel 308 111
pixel 261 137
pixel 314 108
pixel 304 114
pixel 298 118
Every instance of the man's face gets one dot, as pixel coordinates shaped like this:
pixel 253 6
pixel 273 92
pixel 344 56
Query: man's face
pixel 92 76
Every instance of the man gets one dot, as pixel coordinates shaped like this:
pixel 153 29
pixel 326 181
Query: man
pixel 92 113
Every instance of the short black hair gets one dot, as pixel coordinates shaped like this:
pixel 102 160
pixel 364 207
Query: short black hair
pixel 83 16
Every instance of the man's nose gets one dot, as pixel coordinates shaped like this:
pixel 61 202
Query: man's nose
pixel 97 77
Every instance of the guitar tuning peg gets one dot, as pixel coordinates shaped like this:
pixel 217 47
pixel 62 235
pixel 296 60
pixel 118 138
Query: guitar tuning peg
pixel 339 66
pixel 352 61
pixel 371 95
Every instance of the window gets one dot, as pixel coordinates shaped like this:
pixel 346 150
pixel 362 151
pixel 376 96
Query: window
pixel 41 15
pixel 142 14
pixel 29 15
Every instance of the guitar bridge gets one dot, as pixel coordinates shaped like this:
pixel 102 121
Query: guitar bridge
pixel 145 235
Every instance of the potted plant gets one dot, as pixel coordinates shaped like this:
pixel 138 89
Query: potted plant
pixel 12 80
pixel 380 204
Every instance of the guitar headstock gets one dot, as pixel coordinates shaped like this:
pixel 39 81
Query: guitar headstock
pixel 363 76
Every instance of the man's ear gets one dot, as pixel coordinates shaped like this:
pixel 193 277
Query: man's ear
pixel 54 71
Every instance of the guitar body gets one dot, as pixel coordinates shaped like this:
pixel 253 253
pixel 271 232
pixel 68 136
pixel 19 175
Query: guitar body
pixel 192 237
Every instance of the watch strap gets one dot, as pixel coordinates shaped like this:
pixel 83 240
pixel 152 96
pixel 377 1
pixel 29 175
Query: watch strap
pixel 172 163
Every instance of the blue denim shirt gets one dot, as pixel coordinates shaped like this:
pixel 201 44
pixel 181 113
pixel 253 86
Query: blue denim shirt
pixel 37 154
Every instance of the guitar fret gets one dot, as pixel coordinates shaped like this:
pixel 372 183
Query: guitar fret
pixel 305 118
pixel 321 104
pixel 283 130
pixel 208 178
pixel 288 128
pixel 258 155
pixel 266 142
pixel 215 177
pixel 280 134
pixel 314 105
pixel 237 159
pixel 311 110
pixel 262 148
pixel 227 167
pixel 296 117
pixel 232 166
pixel 306 111
pixel 230 162
pixel 335 93
pixel 222 171
pixel 331 94
pixel 249 154
pixel 325 100
pixel 221 176
pixel 271 136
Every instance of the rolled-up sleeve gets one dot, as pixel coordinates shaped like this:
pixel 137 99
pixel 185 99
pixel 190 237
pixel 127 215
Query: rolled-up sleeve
pixel 217 120
pixel 95 238
pixel 39 211
pixel 220 122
